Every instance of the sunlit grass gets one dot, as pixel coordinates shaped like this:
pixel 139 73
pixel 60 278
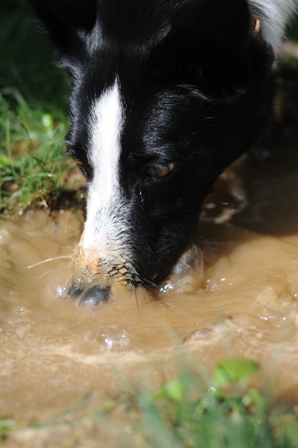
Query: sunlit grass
pixel 33 117
pixel 31 156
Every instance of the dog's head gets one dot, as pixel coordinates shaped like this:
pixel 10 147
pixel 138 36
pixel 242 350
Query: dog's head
pixel 165 95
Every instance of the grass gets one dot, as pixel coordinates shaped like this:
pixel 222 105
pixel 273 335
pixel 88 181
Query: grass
pixel 31 157
pixel 32 114
pixel 193 411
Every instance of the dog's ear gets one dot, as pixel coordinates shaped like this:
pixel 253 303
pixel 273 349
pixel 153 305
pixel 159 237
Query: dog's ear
pixel 208 31
pixel 65 21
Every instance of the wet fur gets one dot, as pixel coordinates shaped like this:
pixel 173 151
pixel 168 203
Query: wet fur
pixel 194 88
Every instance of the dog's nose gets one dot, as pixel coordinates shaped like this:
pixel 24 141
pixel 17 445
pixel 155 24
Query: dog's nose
pixel 92 296
pixel 74 291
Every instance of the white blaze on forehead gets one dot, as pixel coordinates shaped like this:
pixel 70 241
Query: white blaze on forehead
pixel 104 153
pixel 105 145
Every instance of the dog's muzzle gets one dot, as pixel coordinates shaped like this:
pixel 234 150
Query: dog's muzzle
pixel 94 274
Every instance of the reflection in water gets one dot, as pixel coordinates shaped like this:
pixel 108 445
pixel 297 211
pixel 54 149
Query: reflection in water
pixel 53 351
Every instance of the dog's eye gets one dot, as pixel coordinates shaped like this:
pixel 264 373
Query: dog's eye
pixel 159 170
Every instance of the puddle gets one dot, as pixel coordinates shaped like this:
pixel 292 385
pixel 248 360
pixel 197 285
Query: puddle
pixel 53 351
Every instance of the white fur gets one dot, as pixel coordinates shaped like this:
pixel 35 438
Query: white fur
pixel 107 119
pixel 275 14
pixel 104 221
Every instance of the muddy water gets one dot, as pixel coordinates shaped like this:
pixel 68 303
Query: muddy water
pixel 244 303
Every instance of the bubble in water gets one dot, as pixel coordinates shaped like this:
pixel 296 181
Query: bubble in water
pixel 61 291
pixel 58 286
pixel 20 310
pixel 110 336
pixel 188 273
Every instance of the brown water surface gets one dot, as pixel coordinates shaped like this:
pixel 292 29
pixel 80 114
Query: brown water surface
pixel 53 352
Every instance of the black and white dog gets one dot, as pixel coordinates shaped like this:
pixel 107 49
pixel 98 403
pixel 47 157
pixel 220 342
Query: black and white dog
pixel 165 95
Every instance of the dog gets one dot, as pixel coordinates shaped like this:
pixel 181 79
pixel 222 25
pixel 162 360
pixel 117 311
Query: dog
pixel 165 94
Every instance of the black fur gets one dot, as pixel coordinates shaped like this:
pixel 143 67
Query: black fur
pixel 197 91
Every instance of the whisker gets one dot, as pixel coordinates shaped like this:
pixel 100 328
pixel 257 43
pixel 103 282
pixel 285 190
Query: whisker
pixel 136 297
pixel 48 260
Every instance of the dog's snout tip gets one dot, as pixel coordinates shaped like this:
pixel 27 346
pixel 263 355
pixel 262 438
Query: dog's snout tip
pixel 74 291
pixel 90 297
pixel 94 296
